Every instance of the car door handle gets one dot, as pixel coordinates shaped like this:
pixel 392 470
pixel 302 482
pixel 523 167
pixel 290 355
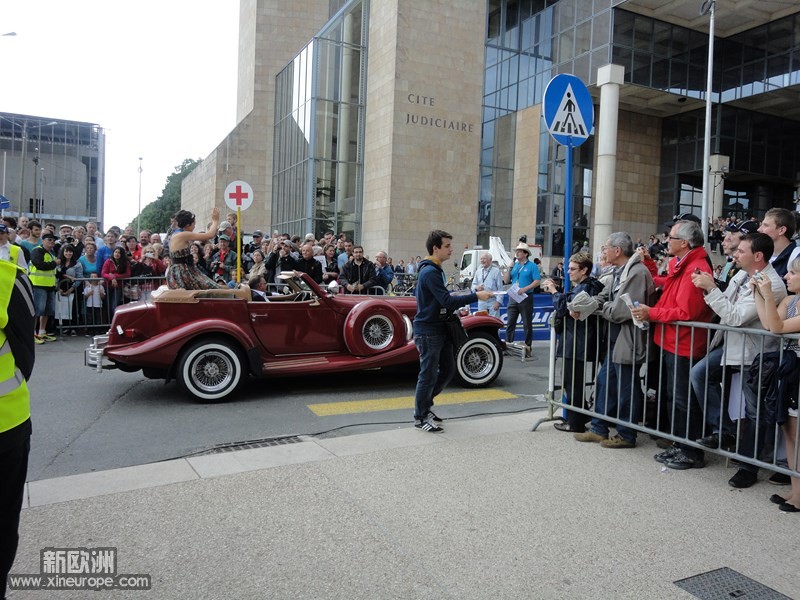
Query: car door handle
pixel 254 316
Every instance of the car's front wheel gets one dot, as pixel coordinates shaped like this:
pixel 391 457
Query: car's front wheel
pixel 479 361
pixel 211 370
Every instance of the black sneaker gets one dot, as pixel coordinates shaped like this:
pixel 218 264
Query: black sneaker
pixel 743 479
pixel 724 441
pixel 428 425
pixel 433 417
pixel 667 455
pixel 780 479
pixel 682 461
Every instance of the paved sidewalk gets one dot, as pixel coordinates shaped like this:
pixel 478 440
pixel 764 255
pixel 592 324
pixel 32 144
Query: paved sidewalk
pixel 485 510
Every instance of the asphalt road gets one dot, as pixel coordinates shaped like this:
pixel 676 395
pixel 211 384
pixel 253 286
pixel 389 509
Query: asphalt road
pixel 87 421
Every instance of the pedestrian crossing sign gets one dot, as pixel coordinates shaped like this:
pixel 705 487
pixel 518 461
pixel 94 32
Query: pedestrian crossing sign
pixel 568 110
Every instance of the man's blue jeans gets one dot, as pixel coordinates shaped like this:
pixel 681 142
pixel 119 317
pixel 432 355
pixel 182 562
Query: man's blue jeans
pixel 618 394
pixel 707 376
pixel 436 368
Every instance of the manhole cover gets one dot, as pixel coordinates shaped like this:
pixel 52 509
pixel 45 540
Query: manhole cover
pixel 727 584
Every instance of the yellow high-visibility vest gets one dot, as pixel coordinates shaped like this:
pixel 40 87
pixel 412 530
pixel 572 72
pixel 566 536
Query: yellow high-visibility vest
pixel 15 404
pixel 40 278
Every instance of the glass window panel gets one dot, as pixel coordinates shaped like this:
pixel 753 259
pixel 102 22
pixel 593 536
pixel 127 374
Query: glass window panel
pixel 601 26
pixel 490 80
pixel 494 23
pixel 751 53
pixel 512 25
pixel 727 54
pixel 660 74
pixel 643 33
pixel 641 68
pixel 623 57
pixel 754 73
pixel 528 33
pixel 678 76
pixel 566 14
pixel 623 28
pixel 698 44
pixel 599 59
pixel 697 81
pixel 583 38
pixel 777 70
pixel 565 46
pixel 581 68
pixel 680 43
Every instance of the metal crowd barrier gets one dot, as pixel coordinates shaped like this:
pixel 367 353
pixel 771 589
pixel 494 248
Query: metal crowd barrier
pixel 86 310
pixel 740 400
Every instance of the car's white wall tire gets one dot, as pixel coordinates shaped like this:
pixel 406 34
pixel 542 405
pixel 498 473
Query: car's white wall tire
pixel 479 361
pixel 211 369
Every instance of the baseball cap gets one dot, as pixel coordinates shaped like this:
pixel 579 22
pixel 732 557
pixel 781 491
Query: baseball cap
pixel 224 237
pixel 48 236
pixel 747 227
pixel 686 217
pixel 258 233
pixel 3 228
pixel 66 226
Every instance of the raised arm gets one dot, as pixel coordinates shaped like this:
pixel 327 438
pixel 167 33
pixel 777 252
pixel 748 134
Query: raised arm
pixel 771 316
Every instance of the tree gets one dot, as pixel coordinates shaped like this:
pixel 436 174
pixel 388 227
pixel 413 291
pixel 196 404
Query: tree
pixel 156 215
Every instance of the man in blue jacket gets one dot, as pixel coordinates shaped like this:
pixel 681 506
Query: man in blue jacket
pixel 436 353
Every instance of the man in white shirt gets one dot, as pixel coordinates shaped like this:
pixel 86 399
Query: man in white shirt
pixel 736 307
pixel 488 277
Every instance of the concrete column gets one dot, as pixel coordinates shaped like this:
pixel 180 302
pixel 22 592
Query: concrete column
pixel 609 78
pixel 719 165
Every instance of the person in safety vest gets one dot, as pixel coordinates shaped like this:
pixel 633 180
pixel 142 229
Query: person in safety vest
pixel 17 356
pixel 43 279
pixel 9 251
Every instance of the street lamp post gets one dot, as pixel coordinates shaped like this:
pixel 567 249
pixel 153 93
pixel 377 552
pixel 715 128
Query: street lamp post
pixel 35 179
pixel 709 8
pixel 139 218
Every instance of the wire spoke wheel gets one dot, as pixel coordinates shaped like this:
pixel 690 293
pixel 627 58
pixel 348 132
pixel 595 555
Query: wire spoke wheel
pixel 378 332
pixel 212 371
pixel 479 361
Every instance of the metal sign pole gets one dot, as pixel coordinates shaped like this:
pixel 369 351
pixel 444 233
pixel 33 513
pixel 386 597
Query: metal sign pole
pixel 568 216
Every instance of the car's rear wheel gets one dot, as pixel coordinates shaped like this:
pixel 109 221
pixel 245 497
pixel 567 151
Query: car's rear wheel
pixel 479 361
pixel 211 370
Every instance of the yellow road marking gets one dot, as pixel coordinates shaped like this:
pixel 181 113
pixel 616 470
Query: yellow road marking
pixel 327 409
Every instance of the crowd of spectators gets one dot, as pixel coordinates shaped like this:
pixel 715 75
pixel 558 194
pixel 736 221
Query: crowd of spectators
pixel 720 389
pixel 82 275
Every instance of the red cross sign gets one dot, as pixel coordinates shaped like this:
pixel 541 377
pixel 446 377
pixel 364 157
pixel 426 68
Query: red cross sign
pixel 238 195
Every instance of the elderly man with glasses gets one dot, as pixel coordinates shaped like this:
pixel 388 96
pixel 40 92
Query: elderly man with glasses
pixel 619 391
pixel 681 346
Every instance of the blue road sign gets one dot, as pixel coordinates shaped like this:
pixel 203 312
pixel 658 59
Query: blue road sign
pixel 5 203
pixel 568 110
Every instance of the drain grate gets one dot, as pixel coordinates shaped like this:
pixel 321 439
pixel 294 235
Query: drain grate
pixel 283 441
pixel 727 584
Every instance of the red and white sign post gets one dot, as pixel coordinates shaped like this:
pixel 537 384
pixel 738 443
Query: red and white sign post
pixel 238 196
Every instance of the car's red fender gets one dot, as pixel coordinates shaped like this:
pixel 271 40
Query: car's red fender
pixel 152 352
pixel 373 314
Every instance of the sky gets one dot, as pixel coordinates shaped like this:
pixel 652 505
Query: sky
pixel 159 76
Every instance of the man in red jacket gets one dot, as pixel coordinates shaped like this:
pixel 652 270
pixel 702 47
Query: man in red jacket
pixel 681 346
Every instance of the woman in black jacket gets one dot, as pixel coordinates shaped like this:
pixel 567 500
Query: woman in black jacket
pixel 578 341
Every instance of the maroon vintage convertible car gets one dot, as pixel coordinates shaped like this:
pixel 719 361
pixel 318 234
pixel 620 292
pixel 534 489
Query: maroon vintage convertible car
pixel 210 340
